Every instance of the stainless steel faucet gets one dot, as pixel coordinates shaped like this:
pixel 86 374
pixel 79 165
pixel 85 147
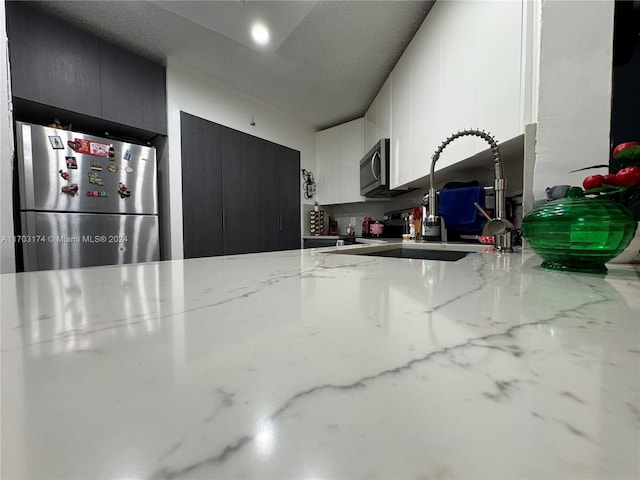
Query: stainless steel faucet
pixel 499 227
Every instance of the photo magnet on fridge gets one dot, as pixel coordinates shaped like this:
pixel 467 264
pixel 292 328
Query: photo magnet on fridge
pixel 89 147
pixel 56 142
pixel 71 162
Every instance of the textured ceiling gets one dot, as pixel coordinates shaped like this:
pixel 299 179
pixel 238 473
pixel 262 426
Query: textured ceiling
pixel 235 19
pixel 327 70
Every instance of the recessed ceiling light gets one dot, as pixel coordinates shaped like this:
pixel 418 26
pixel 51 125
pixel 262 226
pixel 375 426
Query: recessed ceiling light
pixel 260 33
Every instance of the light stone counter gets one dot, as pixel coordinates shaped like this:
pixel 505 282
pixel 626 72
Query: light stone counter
pixel 311 365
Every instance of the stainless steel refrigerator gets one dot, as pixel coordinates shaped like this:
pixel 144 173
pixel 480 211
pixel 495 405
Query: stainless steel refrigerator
pixel 85 200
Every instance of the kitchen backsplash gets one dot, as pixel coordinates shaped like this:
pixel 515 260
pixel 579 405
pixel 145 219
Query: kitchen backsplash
pixel 375 209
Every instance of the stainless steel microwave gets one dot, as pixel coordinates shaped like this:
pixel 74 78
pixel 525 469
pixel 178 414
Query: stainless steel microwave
pixel 375 173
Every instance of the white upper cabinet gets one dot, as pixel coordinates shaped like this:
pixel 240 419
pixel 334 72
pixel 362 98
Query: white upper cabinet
pixel 401 106
pixel 327 163
pixel 339 151
pixel 461 70
pixel 499 67
pixel 378 117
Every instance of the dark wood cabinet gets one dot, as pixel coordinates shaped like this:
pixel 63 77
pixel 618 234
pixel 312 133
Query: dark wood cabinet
pixel 256 193
pixel 133 89
pixel 264 158
pixel 52 64
pixel 289 199
pixel 55 64
pixel 268 223
pixel 239 192
pixel 201 187
pixel 280 184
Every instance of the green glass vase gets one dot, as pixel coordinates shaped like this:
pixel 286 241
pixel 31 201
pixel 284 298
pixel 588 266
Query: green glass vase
pixel 577 233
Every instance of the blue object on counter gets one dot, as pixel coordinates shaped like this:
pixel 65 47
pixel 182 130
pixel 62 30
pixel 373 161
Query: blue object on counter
pixel 456 206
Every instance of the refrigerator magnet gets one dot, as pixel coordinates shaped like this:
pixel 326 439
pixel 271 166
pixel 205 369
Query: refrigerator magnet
pixel 112 167
pixel 89 147
pixel 96 193
pixel 96 165
pixel 100 149
pixel 64 175
pixel 56 142
pixel 127 155
pixel 71 162
pixel 112 152
pixel 93 178
pixel 70 189
pixel 128 169
pixel 122 191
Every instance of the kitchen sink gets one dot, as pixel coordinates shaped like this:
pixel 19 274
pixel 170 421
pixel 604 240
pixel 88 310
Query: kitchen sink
pixel 420 251
pixel 420 254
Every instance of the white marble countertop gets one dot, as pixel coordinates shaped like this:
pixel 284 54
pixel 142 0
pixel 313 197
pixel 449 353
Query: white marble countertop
pixel 311 365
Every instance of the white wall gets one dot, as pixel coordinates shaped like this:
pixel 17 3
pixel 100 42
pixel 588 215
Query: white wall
pixel 574 97
pixel 7 251
pixel 191 91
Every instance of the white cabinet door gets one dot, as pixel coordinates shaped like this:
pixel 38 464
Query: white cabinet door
pixel 383 112
pixel 371 124
pixel 498 59
pixel 351 152
pixel 458 78
pixel 425 127
pixel 339 151
pixel 378 117
pixel 327 181
pixel 401 121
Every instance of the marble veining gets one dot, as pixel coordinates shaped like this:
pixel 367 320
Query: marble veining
pixel 308 364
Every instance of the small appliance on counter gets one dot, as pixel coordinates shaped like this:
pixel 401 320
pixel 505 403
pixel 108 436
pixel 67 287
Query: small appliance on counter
pixel 377 229
pixel 395 223
pixel 366 226
pixel 333 226
pixel 392 225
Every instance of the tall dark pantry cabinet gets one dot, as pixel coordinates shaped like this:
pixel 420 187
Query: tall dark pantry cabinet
pixel 240 193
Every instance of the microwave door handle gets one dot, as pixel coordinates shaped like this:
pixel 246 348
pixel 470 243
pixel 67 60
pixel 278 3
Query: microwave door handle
pixel 373 160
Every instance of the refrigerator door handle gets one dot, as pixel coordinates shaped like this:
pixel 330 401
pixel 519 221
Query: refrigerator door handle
pixel 24 150
pixel 223 222
pixel 280 222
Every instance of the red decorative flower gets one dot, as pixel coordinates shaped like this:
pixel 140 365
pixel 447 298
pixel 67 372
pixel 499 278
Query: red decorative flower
pixel 622 184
